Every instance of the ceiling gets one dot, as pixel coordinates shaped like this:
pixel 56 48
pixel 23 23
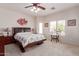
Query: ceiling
pixel 20 7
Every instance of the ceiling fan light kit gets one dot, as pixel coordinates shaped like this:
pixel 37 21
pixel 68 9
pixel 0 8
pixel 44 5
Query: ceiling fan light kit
pixel 36 7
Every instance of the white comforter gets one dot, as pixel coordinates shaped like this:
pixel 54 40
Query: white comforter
pixel 26 38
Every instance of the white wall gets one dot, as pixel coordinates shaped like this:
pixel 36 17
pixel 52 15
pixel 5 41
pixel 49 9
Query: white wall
pixel 72 33
pixel 8 18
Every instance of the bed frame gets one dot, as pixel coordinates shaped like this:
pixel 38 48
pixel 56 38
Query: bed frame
pixel 23 29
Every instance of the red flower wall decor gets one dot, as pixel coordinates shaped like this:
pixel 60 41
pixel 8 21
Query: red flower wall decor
pixel 21 21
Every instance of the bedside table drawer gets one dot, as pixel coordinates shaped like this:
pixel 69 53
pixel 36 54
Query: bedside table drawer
pixel 7 40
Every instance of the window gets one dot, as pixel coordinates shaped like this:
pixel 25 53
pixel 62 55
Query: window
pixel 57 27
pixel 40 28
pixel 61 27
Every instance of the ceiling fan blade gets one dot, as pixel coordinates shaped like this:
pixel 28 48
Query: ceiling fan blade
pixel 41 7
pixel 35 4
pixel 28 6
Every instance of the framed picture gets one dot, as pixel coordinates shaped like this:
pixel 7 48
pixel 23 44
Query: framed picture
pixel 71 22
pixel 46 25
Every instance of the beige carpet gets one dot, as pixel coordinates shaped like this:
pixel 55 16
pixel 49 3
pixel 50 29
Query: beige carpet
pixel 48 48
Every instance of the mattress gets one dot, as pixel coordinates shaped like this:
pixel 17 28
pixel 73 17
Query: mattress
pixel 27 38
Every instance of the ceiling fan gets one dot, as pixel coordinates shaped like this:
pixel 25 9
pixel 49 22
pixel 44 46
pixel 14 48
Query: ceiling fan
pixel 36 5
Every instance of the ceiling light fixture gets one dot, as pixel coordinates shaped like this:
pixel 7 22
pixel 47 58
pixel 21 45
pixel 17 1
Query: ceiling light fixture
pixel 35 9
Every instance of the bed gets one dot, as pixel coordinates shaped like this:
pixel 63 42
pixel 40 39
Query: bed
pixel 24 38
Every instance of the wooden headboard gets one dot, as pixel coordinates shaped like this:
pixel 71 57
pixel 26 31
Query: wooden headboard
pixel 20 29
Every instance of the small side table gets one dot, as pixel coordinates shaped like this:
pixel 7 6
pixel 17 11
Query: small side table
pixel 8 40
pixel 1 46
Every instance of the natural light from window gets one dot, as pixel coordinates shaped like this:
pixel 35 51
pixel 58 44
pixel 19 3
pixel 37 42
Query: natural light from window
pixel 53 27
pixel 57 27
pixel 40 28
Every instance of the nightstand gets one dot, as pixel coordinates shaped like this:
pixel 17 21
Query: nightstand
pixel 8 40
pixel 4 40
pixel 1 46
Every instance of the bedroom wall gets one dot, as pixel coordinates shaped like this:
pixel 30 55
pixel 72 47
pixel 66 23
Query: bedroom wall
pixel 8 18
pixel 72 32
